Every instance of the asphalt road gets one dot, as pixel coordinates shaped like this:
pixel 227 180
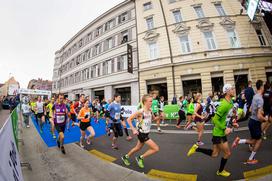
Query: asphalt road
pixel 172 155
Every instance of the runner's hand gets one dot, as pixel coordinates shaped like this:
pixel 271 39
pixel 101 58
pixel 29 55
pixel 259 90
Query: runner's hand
pixel 135 132
pixel 228 131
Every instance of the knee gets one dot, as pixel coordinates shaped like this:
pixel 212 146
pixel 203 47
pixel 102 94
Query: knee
pixel 156 149
pixel 227 154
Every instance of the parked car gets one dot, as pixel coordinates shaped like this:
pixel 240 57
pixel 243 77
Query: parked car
pixel 5 104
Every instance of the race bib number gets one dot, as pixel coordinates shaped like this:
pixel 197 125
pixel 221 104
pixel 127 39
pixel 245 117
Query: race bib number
pixel 60 119
pixel 117 116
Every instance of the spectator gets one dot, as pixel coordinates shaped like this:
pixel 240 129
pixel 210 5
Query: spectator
pixel 249 93
pixel 174 100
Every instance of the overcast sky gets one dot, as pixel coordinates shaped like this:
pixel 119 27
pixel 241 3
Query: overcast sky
pixel 32 30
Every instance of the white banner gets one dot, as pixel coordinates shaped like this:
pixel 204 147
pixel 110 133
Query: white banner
pixel 129 110
pixel 252 7
pixel 10 167
pixel 34 92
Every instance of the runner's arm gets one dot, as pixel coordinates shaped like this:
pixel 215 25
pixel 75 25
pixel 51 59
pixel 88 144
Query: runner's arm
pixel 129 120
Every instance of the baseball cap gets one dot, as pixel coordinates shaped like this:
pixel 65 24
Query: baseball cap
pixel 227 87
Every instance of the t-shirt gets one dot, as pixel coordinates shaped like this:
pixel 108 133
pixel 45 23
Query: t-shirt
pixel 60 114
pixel 25 108
pixel 85 113
pixel 33 105
pixel 185 105
pixel 219 119
pixel 191 108
pixel 161 105
pixel 39 107
pixel 155 106
pixel 50 108
pixel 257 103
pixel 144 124
pixel 115 112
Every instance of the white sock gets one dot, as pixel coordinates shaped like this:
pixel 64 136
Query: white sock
pixel 242 141
pixel 252 155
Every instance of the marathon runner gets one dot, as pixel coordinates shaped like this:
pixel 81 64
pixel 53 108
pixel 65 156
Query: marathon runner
pixel 49 107
pixel 254 124
pixel 40 113
pixel 144 117
pixel 220 132
pixel 155 111
pixel 60 116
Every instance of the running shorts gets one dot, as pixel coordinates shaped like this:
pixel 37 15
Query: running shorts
pixel 60 128
pixel 255 129
pixel 216 140
pixel 143 137
pixel 84 125
pixel 40 115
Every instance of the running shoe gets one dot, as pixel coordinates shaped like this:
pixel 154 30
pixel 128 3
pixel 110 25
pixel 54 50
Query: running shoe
pixel 199 143
pixel 63 150
pixel 192 150
pixel 125 160
pixel 88 140
pixel 129 138
pixel 252 162
pixel 235 142
pixel 178 126
pixel 140 161
pixel 28 126
pixel 159 130
pixel 58 143
pixel 224 173
pixel 114 146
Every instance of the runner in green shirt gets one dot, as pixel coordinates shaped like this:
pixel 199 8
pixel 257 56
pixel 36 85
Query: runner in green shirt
pixel 190 113
pixel 155 110
pixel 220 132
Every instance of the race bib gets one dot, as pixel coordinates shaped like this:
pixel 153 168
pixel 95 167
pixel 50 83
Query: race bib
pixel 60 119
pixel 117 116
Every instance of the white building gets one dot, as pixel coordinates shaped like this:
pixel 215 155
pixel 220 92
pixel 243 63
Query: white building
pixel 94 61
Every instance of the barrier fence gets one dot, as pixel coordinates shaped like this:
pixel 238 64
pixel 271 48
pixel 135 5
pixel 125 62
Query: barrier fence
pixel 11 166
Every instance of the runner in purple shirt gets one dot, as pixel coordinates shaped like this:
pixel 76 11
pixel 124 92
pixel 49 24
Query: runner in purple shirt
pixel 60 113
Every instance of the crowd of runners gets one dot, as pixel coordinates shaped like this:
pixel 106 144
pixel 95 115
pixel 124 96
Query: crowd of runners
pixel 223 112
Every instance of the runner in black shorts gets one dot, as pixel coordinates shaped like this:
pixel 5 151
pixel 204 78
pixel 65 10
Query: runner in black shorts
pixel 254 124
pixel 144 117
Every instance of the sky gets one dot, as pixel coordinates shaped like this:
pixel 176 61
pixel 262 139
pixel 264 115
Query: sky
pixel 31 31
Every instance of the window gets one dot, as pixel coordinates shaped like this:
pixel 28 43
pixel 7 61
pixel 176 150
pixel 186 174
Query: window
pixel 185 44
pixel 172 1
pixel 98 49
pixel 124 36
pixel 80 43
pixel 98 69
pixel 112 66
pixel 121 63
pixel 233 39
pixel 149 23
pixel 98 31
pixel 261 37
pixel 93 71
pixel 109 43
pixel 220 9
pixel 147 6
pixel 153 52
pixel 90 36
pixel 109 25
pixel 177 16
pixel 105 68
pixel 210 40
pixel 199 12
pixel 123 17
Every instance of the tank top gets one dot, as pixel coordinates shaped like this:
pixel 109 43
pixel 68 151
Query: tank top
pixel 199 112
pixel 60 114
pixel 144 124
pixel 84 113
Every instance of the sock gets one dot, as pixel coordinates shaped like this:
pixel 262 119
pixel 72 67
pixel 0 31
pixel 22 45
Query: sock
pixel 252 155
pixel 126 156
pixel 141 157
pixel 242 141
pixel 205 151
pixel 126 131
pixel 222 164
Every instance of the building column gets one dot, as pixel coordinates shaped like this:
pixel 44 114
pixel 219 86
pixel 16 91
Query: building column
pixel 108 92
pixel 179 88
pixel 170 89
pixel 229 77
pixel 257 73
pixel 134 87
pixel 206 83
pixel 142 86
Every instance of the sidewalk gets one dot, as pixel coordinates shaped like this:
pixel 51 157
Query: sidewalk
pixel 49 164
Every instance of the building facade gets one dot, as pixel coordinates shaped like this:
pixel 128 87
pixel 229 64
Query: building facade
pixel 40 84
pixel 9 88
pixel 94 62
pixel 198 45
